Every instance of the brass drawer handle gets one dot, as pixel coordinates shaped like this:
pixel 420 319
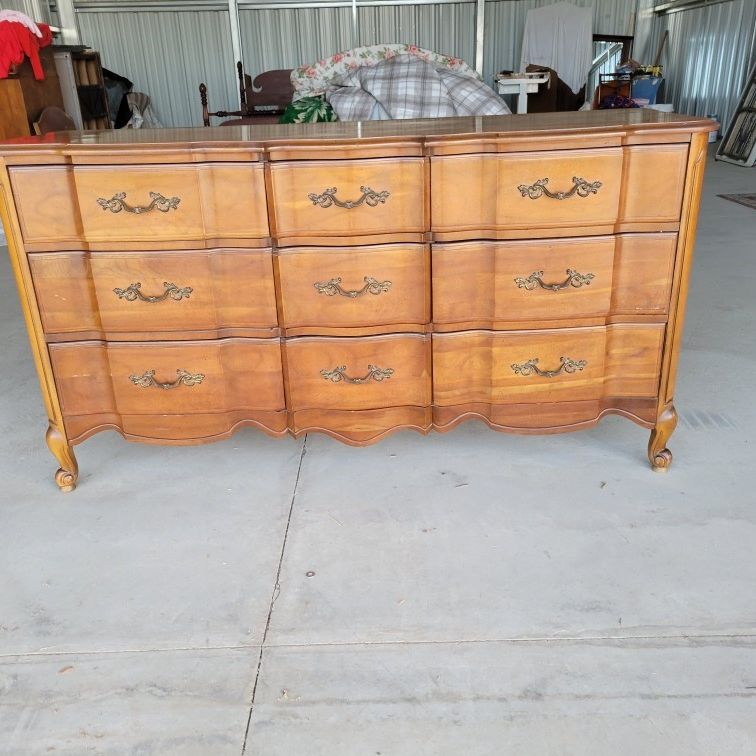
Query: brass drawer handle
pixel 531 367
pixel 580 186
pixel 333 287
pixel 574 279
pixel 184 379
pixel 369 197
pixel 133 292
pixel 374 373
pixel 118 202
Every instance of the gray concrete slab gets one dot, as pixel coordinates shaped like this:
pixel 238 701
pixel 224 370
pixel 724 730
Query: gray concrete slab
pixel 427 554
pixel 142 704
pixel 557 698
pixel 159 547
pixel 145 560
pixel 476 536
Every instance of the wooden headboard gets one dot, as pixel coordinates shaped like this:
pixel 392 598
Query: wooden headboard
pixel 271 91
pixel 264 97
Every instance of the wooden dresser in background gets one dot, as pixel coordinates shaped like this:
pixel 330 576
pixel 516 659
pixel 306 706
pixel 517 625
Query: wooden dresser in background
pixel 355 279
pixel 23 98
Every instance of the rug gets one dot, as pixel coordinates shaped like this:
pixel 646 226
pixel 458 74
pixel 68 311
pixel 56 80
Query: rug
pixel 749 200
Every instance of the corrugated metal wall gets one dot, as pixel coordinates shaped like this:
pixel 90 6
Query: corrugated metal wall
pixel 445 28
pixel 286 38
pixel 167 55
pixel 289 37
pixel 33 8
pixel 708 57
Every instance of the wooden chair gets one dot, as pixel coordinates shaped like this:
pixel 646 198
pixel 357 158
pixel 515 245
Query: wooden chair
pixel 53 118
pixel 260 101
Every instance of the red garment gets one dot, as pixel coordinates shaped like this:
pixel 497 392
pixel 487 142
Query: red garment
pixel 18 42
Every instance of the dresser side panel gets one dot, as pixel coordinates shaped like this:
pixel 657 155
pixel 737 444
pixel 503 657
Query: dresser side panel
pixel 683 266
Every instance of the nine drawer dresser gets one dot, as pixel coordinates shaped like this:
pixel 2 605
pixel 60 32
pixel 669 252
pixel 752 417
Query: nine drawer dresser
pixel 528 271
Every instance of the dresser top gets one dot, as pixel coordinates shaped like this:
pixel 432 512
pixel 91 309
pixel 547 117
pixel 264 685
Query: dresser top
pixel 435 129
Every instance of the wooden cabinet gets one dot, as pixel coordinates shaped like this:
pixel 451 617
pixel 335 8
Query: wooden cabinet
pixel 23 97
pixel 82 85
pixel 354 279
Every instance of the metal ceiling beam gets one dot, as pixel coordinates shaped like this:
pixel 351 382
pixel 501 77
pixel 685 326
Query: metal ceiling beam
pixel 676 6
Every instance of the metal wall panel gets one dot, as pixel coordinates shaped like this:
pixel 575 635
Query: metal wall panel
pixel 36 9
pixel 447 28
pixel 709 54
pixel 167 55
pixel 291 37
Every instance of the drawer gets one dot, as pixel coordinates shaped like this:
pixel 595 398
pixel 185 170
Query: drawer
pixel 567 364
pixel 555 279
pixel 358 373
pixel 381 199
pixel 143 203
pixel 487 284
pixel 171 202
pixel 104 294
pixel 139 203
pixel 355 286
pixel 526 191
pixel 168 379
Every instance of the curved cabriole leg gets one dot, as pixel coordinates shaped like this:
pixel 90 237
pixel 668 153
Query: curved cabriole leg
pixel 66 476
pixel 658 455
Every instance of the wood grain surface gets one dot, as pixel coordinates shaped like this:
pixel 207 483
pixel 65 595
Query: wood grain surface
pixel 402 295
pixel 355 279
pixel 222 289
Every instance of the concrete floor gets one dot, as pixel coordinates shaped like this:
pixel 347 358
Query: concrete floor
pixel 468 593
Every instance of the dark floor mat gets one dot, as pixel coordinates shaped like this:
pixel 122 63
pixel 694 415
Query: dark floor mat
pixel 749 200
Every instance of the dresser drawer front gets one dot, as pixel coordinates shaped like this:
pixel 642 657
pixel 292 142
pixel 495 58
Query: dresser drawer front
pixel 506 367
pixel 176 203
pixel 154 292
pixel 355 286
pixel 348 198
pixel 358 373
pixel 526 191
pixel 171 379
pixel 558 279
pixel 566 364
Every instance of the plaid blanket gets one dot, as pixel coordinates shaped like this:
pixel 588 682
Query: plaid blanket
pixel 313 79
pixel 407 87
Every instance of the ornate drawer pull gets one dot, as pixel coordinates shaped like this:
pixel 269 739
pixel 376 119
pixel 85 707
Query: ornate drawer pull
pixel 118 202
pixel 133 292
pixel 573 279
pixel 333 287
pixel 582 187
pixel 374 373
pixel 369 197
pixel 184 379
pixel 531 367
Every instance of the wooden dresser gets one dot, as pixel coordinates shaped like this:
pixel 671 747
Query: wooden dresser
pixel 528 271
